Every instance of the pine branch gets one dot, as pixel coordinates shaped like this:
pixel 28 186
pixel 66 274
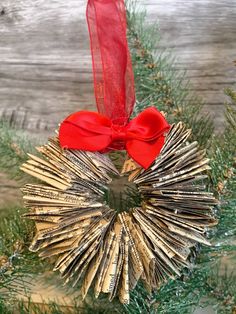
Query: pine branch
pixel 13 150
pixel 17 264
pixel 158 83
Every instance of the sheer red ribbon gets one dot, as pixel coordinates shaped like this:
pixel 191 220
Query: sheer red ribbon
pixel 143 137
pixel 112 67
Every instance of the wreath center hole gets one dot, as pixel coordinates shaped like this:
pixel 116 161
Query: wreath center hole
pixel 121 194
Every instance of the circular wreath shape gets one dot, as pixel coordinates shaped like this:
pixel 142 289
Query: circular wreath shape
pixel 90 242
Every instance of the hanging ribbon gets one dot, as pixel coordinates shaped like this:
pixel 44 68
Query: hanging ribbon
pixel 143 137
pixel 112 67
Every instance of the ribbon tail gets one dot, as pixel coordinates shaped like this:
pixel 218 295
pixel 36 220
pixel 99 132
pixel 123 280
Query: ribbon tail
pixel 144 153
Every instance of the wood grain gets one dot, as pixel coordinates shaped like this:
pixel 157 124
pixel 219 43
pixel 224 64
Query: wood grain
pixel 202 35
pixel 45 62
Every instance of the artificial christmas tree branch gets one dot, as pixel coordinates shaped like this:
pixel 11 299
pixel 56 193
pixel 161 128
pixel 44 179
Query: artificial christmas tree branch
pixel 158 83
pixel 13 149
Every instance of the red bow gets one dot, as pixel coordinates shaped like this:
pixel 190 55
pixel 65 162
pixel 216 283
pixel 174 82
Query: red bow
pixel 143 137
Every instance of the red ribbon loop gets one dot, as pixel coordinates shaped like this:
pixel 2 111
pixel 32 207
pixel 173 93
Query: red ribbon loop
pixel 112 67
pixel 142 137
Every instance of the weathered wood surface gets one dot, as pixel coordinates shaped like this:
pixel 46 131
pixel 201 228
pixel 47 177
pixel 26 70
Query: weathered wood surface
pixel 202 34
pixel 45 63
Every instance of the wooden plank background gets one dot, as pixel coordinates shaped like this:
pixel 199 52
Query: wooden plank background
pixel 45 63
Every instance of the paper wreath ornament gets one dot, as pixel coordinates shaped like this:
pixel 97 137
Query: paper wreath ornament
pixel 89 241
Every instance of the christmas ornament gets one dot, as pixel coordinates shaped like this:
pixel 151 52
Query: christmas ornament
pixel 88 240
